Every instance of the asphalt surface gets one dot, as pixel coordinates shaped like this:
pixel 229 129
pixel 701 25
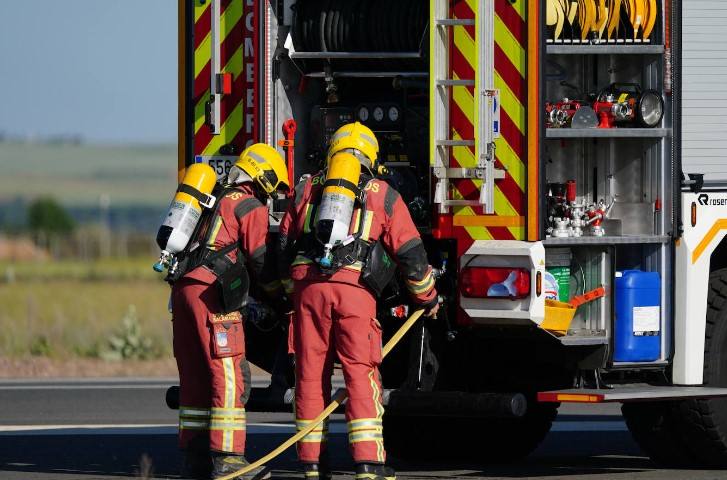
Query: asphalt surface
pixel 113 429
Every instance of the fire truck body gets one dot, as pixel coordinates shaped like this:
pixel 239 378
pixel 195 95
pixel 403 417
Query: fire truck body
pixel 539 150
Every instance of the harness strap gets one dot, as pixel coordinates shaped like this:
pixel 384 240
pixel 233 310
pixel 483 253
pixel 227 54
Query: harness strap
pixel 342 182
pixel 202 198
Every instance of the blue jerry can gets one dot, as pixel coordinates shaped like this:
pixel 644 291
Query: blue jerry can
pixel 637 329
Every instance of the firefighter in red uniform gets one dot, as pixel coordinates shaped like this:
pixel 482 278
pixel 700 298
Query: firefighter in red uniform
pixel 209 342
pixel 335 311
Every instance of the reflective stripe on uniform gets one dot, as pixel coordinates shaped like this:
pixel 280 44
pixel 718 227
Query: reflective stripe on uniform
pixel 380 453
pixel 213 234
pixel 191 418
pixel 420 286
pixel 368 220
pixel 367 429
pixel 193 424
pixel 308 213
pixel 230 388
pixel 193 412
pixel 318 435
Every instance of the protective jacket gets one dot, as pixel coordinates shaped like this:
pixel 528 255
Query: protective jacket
pixel 209 344
pixel 335 314
pixel 384 218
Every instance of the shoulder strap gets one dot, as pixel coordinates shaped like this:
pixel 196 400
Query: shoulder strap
pixel 204 199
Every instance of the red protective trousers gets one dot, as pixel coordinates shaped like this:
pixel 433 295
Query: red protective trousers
pixel 210 352
pixel 338 319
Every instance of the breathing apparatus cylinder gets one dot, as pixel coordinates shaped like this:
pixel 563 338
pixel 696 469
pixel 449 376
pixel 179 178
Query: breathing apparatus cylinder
pixel 336 208
pixel 184 213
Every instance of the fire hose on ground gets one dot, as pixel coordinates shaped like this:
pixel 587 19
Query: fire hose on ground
pixel 338 399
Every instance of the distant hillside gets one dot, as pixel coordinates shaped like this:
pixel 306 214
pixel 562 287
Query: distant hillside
pixel 78 175
pixel 140 181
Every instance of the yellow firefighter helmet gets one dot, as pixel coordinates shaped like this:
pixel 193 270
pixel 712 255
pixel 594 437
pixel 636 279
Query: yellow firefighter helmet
pixel 265 167
pixel 358 139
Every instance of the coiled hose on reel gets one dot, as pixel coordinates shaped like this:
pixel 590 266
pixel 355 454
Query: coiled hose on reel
pixel 359 25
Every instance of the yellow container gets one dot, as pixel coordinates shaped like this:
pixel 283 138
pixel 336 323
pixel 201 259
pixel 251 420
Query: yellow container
pixel 558 317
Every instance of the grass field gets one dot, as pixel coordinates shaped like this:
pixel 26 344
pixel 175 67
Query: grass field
pixel 71 309
pixel 78 174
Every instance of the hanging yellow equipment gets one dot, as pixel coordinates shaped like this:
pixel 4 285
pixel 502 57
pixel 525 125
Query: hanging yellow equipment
pixel 335 403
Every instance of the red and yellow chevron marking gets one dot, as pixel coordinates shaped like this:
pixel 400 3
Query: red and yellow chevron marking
pixel 239 44
pixel 510 65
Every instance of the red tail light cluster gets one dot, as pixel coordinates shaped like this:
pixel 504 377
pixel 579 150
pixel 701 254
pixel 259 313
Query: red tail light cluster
pixel 493 282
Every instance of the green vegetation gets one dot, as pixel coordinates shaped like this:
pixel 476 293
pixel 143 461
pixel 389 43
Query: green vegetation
pixel 47 217
pixel 75 309
pixel 78 175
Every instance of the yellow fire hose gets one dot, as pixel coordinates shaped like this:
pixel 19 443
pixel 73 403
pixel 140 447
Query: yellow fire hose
pixel 335 403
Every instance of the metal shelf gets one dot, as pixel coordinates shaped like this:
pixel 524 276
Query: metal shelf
pixel 351 74
pixel 355 55
pixel 621 240
pixel 582 340
pixel 604 49
pixel 607 132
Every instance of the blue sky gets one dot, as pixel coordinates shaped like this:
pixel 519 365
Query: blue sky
pixel 104 69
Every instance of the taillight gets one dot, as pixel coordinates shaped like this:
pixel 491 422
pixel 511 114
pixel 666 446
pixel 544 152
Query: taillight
pixel 493 282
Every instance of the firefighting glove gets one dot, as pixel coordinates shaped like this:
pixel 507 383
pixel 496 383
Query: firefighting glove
pixel 431 307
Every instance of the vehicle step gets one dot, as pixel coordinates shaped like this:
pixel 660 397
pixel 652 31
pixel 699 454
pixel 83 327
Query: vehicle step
pixel 630 394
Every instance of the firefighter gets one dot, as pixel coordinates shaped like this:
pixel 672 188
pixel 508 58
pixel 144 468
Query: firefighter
pixel 209 342
pixel 335 307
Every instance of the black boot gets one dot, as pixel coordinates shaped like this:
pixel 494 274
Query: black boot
pixel 374 471
pixel 197 459
pixel 197 465
pixel 226 463
pixel 317 471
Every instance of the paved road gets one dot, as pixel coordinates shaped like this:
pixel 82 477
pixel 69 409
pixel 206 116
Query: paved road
pixel 106 429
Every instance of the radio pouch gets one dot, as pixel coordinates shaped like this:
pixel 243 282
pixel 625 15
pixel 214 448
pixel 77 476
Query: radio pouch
pixel 378 270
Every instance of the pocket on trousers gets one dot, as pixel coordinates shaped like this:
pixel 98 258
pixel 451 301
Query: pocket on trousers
pixel 375 340
pixel 228 337
pixel 291 334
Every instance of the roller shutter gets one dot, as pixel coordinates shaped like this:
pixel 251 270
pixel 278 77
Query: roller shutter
pixel 704 106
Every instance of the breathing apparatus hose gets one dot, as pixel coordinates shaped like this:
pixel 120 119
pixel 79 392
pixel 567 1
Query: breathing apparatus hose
pixel 339 398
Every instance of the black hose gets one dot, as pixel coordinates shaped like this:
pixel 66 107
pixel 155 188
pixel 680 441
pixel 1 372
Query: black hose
pixel 359 25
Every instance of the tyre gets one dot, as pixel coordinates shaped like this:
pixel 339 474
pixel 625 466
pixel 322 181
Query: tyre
pixel 691 432
pixel 451 438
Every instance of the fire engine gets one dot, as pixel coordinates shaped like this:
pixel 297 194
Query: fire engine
pixel 562 160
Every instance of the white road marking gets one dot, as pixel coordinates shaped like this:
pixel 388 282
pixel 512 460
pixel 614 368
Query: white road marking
pixel 617 425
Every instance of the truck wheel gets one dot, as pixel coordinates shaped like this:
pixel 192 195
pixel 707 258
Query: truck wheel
pixel 705 420
pixel 653 425
pixel 471 439
pixel 691 432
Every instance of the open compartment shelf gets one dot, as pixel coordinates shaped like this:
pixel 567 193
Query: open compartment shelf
pixel 607 132
pixel 604 49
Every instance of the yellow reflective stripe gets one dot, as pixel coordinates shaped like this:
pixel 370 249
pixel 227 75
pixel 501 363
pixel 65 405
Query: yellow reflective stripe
pixel 301 260
pixel 364 422
pixel 380 454
pixel 215 231
pixel 421 282
pixel 420 287
pixel 356 220
pixel 367 437
pixel 228 411
pixel 318 435
pixel 193 425
pixel 193 412
pixel 307 225
pixel 356 267
pixel 229 369
pixel 224 426
pixel 368 220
